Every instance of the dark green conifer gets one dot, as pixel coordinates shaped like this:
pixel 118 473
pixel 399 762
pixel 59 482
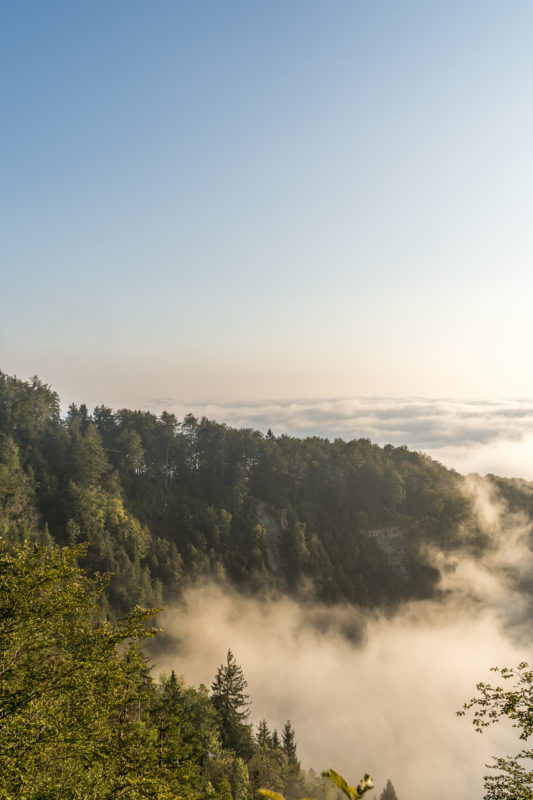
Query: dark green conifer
pixel 232 707
pixel 289 744
pixel 264 737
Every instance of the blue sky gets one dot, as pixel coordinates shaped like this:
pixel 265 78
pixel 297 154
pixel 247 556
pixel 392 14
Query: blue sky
pixel 267 199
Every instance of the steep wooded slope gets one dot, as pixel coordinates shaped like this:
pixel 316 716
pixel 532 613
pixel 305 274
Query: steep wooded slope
pixel 160 502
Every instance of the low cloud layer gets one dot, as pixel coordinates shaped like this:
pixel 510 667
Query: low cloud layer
pixel 382 699
pixel 386 706
pixel 468 435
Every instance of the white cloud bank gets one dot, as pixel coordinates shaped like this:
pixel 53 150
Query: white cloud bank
pixel 468 435
pixel 386 707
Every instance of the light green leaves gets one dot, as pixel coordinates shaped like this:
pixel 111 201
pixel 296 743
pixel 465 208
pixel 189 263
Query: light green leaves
pixel 353 792
pixel 276 796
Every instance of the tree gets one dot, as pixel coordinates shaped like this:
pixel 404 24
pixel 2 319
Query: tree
pixel 89 459
pixel 232 707
pixel 73 688
pixel 18 515
pixel 388 792
pixel 294 779
pixel 264 737
pixel 289 744
pixel 514 780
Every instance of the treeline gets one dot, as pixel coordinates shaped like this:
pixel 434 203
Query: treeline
pixel 159 501
pixel 81 717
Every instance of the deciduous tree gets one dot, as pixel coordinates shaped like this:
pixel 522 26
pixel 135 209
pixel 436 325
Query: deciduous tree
pixel 514 778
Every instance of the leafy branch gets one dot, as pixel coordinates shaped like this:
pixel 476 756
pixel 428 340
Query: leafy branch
pixel 352 792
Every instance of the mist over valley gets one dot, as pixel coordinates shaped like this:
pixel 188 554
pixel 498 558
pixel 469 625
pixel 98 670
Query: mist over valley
pixel 365 590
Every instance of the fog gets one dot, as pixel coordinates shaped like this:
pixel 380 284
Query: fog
pixel 371 692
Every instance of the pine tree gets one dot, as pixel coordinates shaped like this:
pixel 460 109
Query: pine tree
pixel 232 707
pixel 264 737
pixel 388 792
pixel 289 745
pixel 294 784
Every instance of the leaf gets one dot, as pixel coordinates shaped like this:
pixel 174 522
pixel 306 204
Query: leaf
pixel 272 795
pixel 339 781
pixel 353 792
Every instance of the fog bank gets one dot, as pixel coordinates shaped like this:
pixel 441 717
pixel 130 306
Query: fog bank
pixel 386 705
pixel 369 692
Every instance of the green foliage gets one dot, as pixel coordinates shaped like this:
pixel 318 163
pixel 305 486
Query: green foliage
pixel 289 744
pixel 18 514
pixel 352 792
pixel 514 780
pixel 162 502
pixel 71 686
pixel 81 718
pixel 232 707
pixel 185 722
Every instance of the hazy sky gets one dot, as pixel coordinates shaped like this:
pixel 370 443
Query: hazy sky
pixel 267 199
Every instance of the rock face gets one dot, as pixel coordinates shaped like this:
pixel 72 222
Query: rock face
pixel 392 542
pixel 273 534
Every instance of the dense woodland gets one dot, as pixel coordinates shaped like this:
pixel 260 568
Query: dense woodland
pixel 104 511
pixel 160 502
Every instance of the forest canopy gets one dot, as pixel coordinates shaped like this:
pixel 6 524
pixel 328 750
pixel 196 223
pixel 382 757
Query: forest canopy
pixel 158 502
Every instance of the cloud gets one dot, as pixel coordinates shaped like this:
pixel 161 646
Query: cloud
pixel 382 699
pixel 468 435
pixel 387 707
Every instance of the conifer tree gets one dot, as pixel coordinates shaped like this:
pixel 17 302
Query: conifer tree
pixel 232 707
pixel 388 792
pixel 264 737
pixel 289 745
pixel 294 783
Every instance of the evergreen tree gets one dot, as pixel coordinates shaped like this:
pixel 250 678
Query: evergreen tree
pixel 388 792
pixel 289 745
pixel 264 737
pixel 294 780
pixel 232 707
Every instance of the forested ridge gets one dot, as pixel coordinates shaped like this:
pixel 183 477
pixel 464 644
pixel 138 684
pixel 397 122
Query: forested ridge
pixel 160 502
pixel 109 511
pixel 97 513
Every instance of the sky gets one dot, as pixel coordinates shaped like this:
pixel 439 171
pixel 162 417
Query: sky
pixel 264 200
pixel 310 216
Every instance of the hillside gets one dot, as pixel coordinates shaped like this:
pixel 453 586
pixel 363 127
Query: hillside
pixel 160 502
